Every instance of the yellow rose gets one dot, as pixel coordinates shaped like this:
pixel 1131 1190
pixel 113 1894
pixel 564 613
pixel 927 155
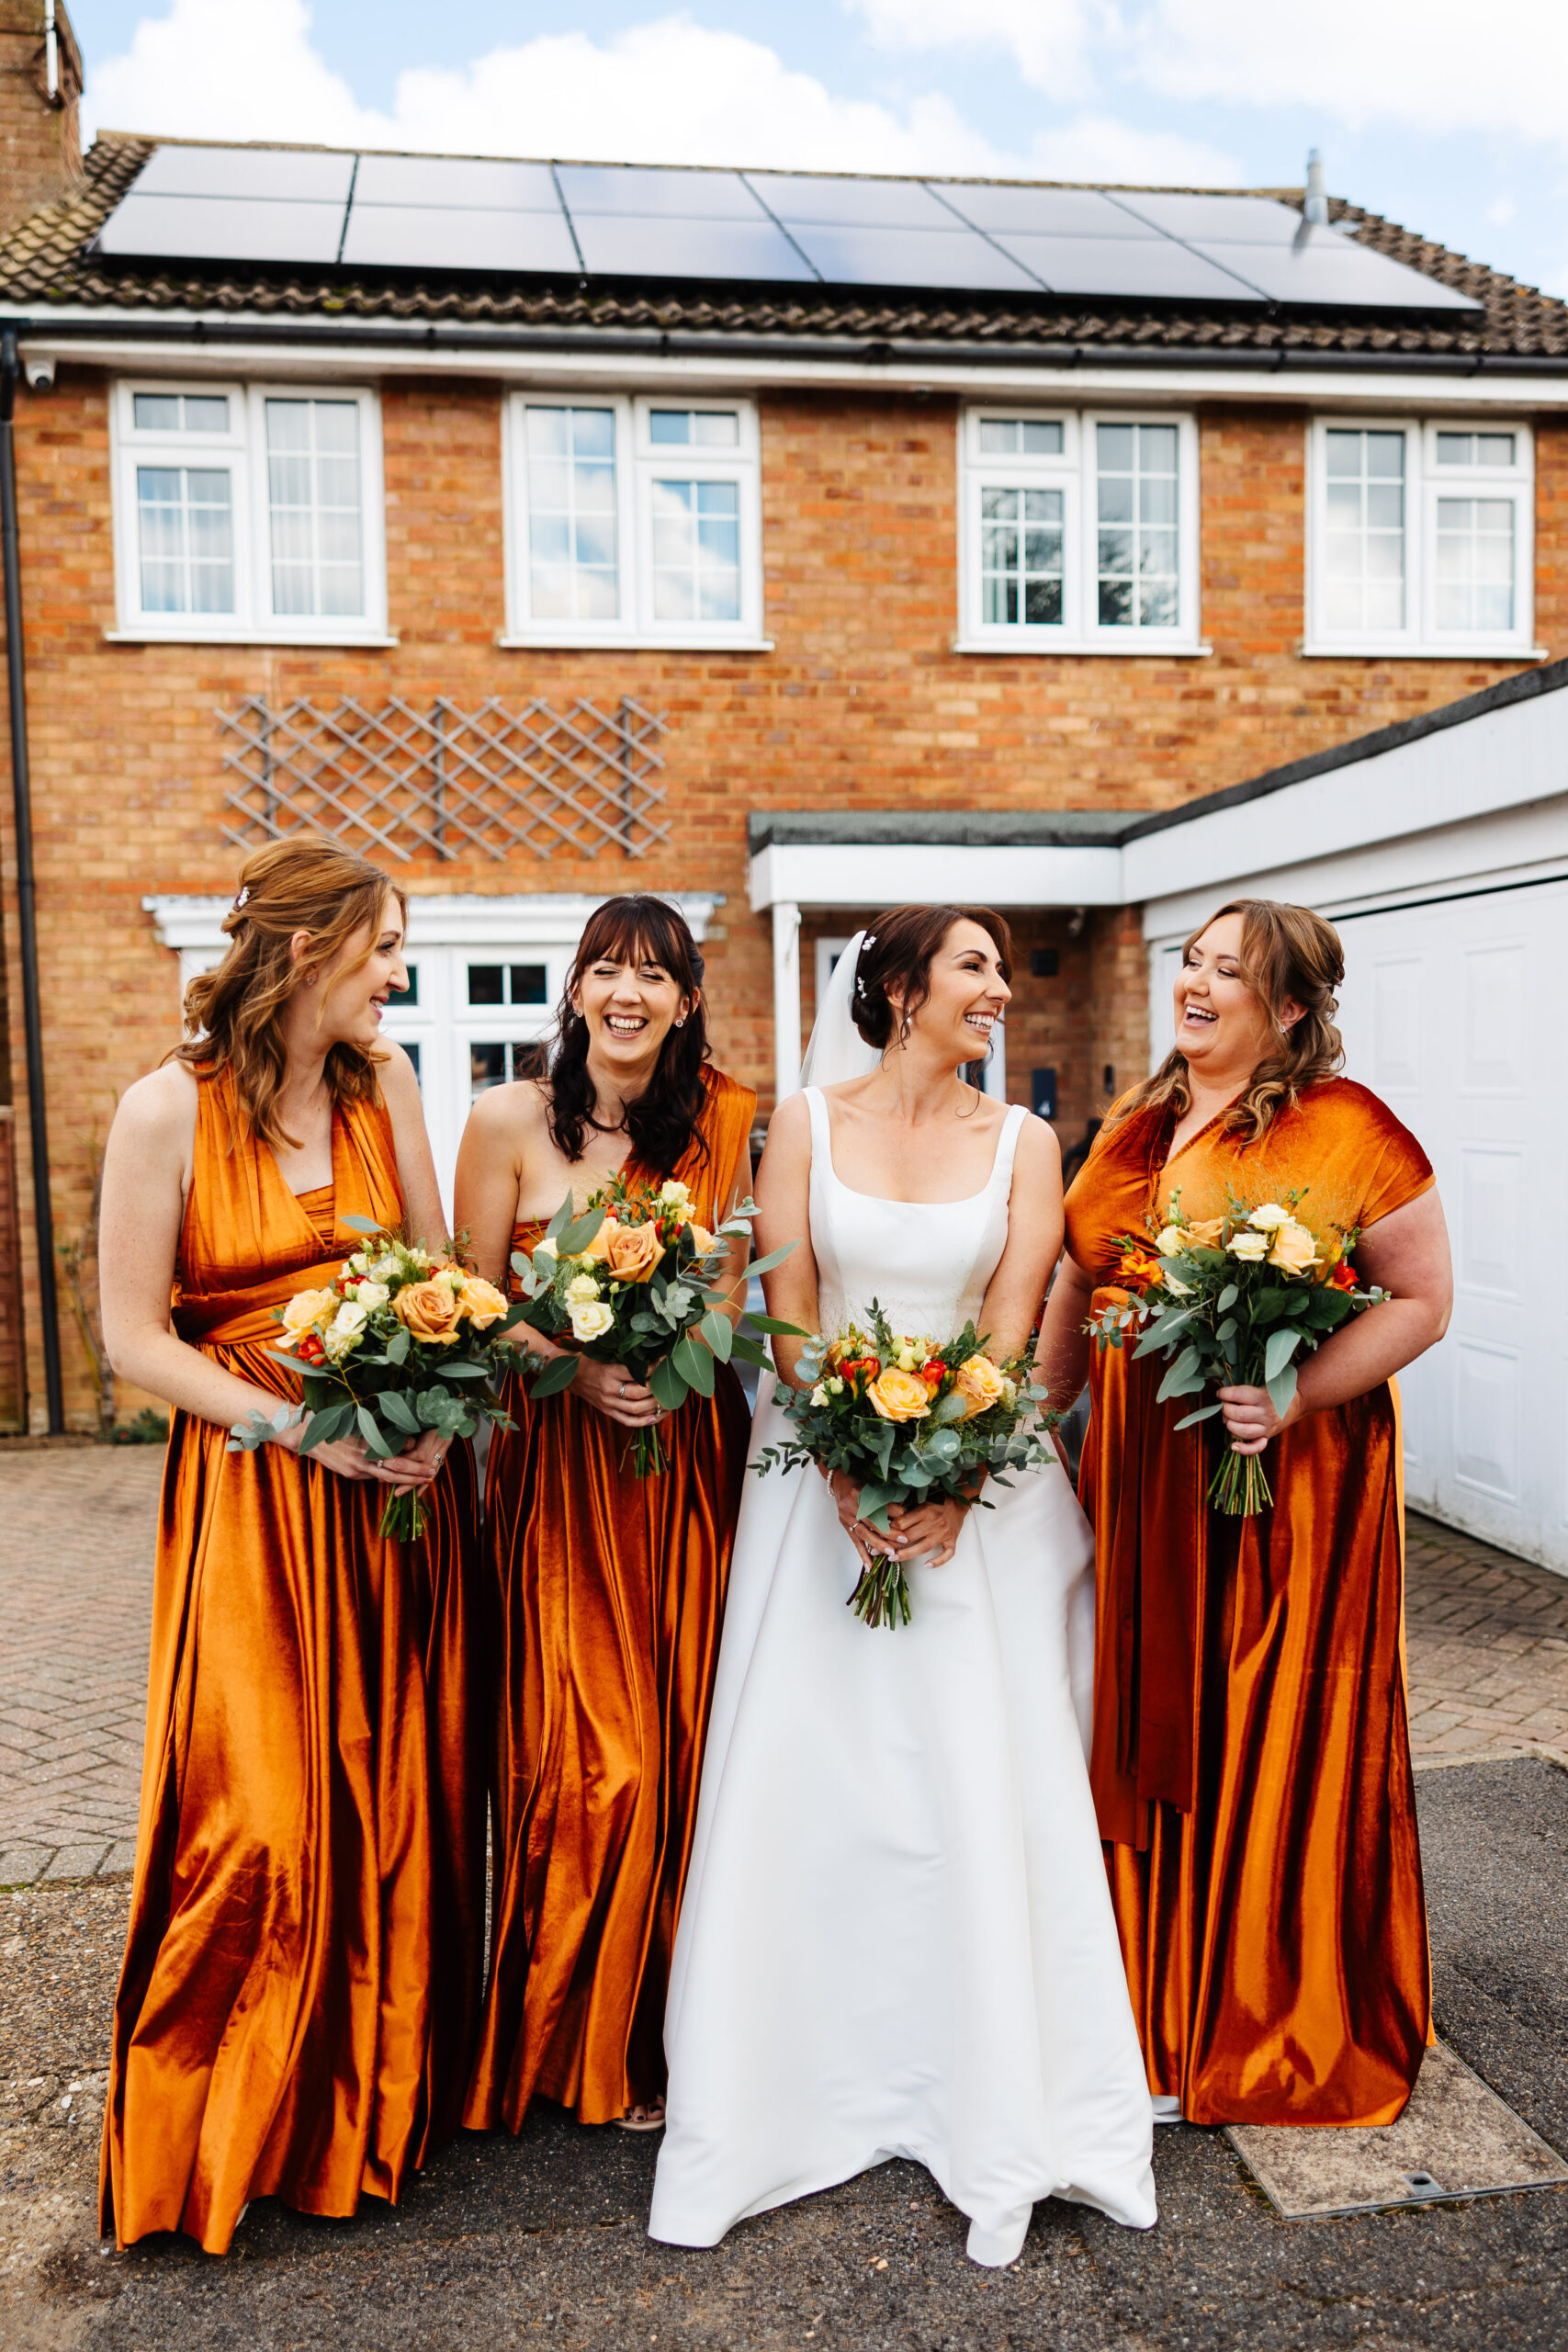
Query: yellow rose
pixel 1270 1217
pixel 1172 1242
pixel 581 1287
pixel 634 1251
pixel 980 1384
pixel 428 1311
pixel 900 1396
pixel 592 1319
pixel 1204 1232
pixel 701 1239
pixel 1252 1247
pixel 304 1312
pixel 1295 1249
pixel 480 1302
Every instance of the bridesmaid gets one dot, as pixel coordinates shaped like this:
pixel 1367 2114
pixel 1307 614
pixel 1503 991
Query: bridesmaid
pixel 1251 1759
pixel 296 2014
pixel 608 1590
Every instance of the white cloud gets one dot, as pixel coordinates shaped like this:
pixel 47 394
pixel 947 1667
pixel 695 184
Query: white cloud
pixel 1100 147
pixel 1432 64
pixel 1047 39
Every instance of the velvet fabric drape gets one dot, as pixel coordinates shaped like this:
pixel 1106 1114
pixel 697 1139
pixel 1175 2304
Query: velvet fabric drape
pixel 1250 1760
pixel 606 1596
pixel 297 2010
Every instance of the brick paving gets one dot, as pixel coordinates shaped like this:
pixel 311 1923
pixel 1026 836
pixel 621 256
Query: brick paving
pixel 1487 1639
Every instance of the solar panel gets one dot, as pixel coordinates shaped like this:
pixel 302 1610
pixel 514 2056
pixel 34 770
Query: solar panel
pixel 850 204
pixel 1215 219
pixel 1128 269
pixel 282 174
pixel 1339 275
pixel 460 180
pixel 200 228
pixel 642 190
pixel 1040 211
pixel 934 257
pixel 403 237
pixel 616 246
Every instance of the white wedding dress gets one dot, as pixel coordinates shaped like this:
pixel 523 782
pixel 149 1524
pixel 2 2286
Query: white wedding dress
pixel 897 1939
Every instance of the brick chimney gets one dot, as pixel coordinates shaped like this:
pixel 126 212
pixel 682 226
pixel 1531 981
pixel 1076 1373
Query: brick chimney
pixel 41 138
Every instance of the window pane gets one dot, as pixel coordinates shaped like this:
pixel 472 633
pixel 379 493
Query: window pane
pixel 1495 449
pixel 717 429
pixel 998 436
pixel 1363 554
pixel 529 984
pixel 1011 436
pixel 487 984
pixel 411 1047
pixel 572 554
pixel 1136 495
pixel 314 499
pixel 157 411
pixel 184 522
pixel 1042 440
pixel 1020 571
pixel 205 414
pixel 486 1067
pixel 696 550
pixel 1474 564
pixel 1456 448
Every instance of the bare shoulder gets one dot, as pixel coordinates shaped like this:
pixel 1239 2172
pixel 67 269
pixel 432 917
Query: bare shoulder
pixel 1038 1153
pixel 160 1109
pixel 395 1076
pixel 791 1123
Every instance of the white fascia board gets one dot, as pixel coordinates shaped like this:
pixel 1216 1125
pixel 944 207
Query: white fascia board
pixel 1495 851
pixel 316 354
pixel 541 919
pixel 1504 759
pixel 891 874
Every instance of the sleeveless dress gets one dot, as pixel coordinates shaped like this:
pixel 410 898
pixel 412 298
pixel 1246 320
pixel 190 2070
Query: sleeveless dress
pixel 897 1938
pixel 1251 1759
pixel 606 1594
pixel 300 1987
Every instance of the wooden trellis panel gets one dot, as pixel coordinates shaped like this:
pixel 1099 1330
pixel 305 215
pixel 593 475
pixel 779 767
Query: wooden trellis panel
pixel 442 781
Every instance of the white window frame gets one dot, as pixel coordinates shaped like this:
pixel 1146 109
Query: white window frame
pixel 637 460
pixel 1424 482
pixel 243 451
pixel 1075 474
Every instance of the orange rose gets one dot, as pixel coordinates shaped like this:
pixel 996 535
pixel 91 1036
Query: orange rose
pixel 1295 1247
pixel 429 1311
pixel 900 1396
pixel 701 1239
pixel 1204 1232
pixel 634 1251
pixel 600 1244
pixel 480 1302
pixel 979 1383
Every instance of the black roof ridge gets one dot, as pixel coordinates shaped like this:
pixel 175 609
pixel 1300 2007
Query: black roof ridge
pixel 1524 685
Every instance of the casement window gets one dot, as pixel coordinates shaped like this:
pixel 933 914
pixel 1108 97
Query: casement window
pixel 632 521
pixel 248 512
pixel 1422 538
pixel 1079 532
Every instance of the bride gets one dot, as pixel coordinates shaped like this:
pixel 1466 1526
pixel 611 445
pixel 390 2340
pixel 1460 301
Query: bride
pixel 897 1939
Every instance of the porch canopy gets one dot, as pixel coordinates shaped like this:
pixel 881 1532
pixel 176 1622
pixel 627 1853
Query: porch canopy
pixel 815 860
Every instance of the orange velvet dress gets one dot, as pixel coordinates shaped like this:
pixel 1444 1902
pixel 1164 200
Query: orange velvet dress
pixel 297 2010
pixel 608 1594
pixel 1251 1762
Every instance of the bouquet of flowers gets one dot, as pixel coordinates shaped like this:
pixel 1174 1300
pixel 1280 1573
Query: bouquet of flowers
pixel 1235 1301
pixel 911 1419
pixel 631 1282
pixel 401 1342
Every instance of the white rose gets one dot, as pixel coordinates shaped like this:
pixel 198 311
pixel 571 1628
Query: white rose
pixel 344 1328
pixel 359 1263
pixel 545 1247
pixel 1171 1242
pixel 580 1287
pixel 820 1395
pixel 1269 1217
pixel 384 1268
pixel 371 1296
pixel 676 1195
pixel 835 1387
pixel 592 1319
pixel 1250 1246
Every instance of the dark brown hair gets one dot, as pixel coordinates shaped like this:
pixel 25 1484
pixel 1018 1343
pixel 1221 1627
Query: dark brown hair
pixel 635 928
pixel 234 1014
pixel 1288 954
pixel 897 953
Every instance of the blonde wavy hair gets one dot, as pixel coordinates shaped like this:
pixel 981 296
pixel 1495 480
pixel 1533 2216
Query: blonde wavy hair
pixel 233 1015
pixel 1288 954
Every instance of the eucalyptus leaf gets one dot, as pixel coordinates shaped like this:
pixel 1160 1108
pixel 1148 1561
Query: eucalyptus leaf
pixel 362 1224
pixel 1281 1347
pixel 774 1257
pixel 559 1223
pixel 1204 1412
pixel 398 1412
pixel 376 1439
pixel 1227 1297
pixel 719 1333
pixel 694 1364
pixel 668 1386
pixel 1282 1390
pixel 558 1372
pixel 746 1351
pixel 574 1238
pixel 1183 1378
pixel 771 1324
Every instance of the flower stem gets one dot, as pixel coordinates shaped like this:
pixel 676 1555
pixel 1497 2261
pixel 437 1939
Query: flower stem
pixel 1239 1485
pixel 403 1516
pixel 882 1596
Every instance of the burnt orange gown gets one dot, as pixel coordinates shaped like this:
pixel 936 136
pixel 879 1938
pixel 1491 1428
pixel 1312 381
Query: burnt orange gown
pixel 297 2009
pixel 608 1594
pixel 1251 1762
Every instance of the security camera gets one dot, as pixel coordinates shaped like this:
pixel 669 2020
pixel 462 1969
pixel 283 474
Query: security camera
pixel 39 373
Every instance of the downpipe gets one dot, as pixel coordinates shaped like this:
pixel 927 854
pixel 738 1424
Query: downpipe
pixel 27 893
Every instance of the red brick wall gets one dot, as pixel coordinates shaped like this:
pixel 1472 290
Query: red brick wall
pixel 862 703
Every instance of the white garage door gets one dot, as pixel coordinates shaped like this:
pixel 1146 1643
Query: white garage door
pixel 1453 1013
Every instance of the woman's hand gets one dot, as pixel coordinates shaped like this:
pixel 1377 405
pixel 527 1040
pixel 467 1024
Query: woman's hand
pixel 348 1457
pixel 611 1390
pixel 928 1532
pixel 1250 1420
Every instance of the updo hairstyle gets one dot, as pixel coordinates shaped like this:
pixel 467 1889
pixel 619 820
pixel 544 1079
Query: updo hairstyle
pixel 896 961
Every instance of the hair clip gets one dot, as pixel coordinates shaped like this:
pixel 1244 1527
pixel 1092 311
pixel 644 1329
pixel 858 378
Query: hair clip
pixel 244 894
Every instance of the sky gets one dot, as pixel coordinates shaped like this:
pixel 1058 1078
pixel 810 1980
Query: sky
pixel 1450 123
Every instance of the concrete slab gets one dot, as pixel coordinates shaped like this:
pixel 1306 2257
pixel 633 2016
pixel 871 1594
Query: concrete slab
pixel 1455 2139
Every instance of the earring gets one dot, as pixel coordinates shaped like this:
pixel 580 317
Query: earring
pixel 682 1022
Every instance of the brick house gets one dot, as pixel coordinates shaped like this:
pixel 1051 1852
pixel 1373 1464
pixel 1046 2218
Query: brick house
pixel 791 543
